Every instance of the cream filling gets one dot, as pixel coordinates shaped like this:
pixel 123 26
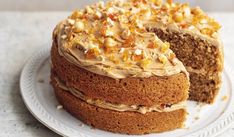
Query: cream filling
pixel 121 107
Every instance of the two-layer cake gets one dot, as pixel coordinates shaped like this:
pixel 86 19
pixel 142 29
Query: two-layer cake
pixel 124 66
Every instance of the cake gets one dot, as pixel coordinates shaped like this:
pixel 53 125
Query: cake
pixel 128 66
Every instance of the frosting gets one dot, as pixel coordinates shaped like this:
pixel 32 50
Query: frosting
pixel 112 40
pixel 121 107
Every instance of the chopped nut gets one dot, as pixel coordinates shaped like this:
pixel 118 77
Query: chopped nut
pixel 145 62
pixel 191 27
pixel 113 59
pixel 110 45
pixel 138 52
pixel 165 47
pixel 152 45
pixel 92 53
pixel 89 10
pixel 110 10
pixel 145 13
pixel 79 26
pixel 125 55
pixel 196 11
pixel 71 21
pixel 101 4
pixel 110 22
pixel 64 36
pixel 121 50
pixel 207 31
pixel 98 15
pixel 113 16
pixel 123 19
pixel 139 24
pixel 178 17
pixel 187 11
pixel 109 42
pixel 169 1
pixel 157 2
pixel 215 24
pixel 129 42
pixel 137 57
pixel 165 7
pixel 107 32
pixel 76 14
pixel 125 33
pixel 203 21
pixel 171 56
pixel 162 58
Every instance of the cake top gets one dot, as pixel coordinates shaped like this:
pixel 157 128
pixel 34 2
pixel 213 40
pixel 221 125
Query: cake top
pixel 112 39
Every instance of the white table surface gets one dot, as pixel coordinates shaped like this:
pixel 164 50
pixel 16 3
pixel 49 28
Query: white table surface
pixel 23 33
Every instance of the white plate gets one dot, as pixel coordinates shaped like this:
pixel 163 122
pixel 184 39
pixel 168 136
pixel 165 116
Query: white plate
pixel 203 120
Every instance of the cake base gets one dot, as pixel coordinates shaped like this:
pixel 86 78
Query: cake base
pixel 120 122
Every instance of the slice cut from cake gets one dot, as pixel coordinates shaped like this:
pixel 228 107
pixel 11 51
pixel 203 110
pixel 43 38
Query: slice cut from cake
pixel 113 74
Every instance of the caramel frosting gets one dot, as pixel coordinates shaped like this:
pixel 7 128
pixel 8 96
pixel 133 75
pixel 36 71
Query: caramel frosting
pixel 112 39
pixel 121 107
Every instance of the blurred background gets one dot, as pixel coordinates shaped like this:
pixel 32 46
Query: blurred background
pixel 68 5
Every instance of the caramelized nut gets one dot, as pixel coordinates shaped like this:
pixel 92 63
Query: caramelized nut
pixel 92 53
pixel 157 2
pixel 125 55
pixel 172 56
pixel 162 58
pixel 152 45
pixel 76 14
pixel 129 42
pixel 145 62
pixel 165 47
pixel 178 17
pixel 196 11
pixel 138 52
pixel 98 15
pixel 109 42
pixel 71 21
pixel 125 33
pixel 79 26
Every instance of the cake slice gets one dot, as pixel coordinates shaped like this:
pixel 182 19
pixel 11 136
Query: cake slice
pixel 113 74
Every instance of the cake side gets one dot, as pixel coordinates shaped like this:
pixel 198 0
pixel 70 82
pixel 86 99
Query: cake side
pixel 120 122
pixel 131 91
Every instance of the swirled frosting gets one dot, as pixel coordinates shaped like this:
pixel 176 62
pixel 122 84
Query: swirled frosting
pixel 111 39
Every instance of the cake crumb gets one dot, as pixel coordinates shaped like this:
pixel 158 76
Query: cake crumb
pixel 196 118
pixel 224 98
pixel 41 80
pixel 81 125
pixel 59 107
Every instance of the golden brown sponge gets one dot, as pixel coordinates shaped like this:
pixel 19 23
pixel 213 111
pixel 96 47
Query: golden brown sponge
pixel 120 122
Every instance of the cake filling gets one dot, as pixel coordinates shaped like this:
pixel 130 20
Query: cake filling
pixel 121 107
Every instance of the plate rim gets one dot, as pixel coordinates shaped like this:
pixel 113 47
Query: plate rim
pixel 36 109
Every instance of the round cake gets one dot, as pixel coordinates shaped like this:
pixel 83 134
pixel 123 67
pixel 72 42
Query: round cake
pixel 113 69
